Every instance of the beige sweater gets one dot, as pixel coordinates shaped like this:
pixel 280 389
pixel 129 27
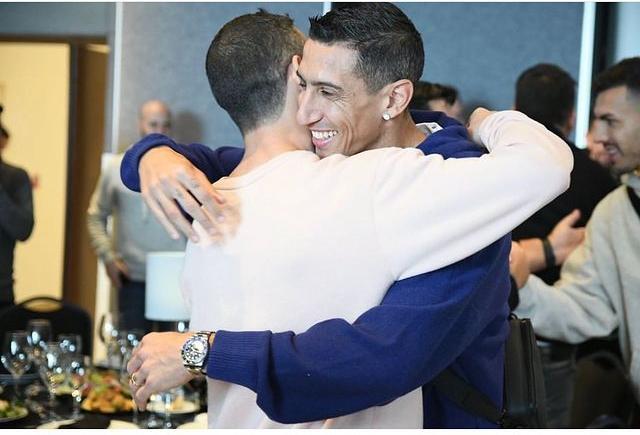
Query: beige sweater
pixel 137 231
pixel 599 287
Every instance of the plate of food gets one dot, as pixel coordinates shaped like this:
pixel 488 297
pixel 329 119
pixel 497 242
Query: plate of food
pixel 105 395
pixel 10 411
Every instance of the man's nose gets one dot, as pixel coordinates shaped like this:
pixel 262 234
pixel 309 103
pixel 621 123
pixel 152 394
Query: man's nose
pixel 600 131
pixel 307 114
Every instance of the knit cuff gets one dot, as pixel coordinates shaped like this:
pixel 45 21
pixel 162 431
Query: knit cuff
pixel 131 161
pixel 234 357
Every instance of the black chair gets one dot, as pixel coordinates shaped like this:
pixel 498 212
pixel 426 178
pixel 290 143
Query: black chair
pixel 603 396
pixel 65 318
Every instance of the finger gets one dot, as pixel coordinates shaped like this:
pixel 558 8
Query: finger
pixel 141 396
pixel 572 217
pixel 192 207
pixel 201 188
pixel 134 363
pixel 158 212
pixel 173 215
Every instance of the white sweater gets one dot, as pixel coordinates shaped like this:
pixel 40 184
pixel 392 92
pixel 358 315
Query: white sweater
pixel 599 286
pixel 320 239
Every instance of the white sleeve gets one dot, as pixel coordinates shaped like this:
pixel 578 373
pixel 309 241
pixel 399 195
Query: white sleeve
pixel 431 212
pixel 578 306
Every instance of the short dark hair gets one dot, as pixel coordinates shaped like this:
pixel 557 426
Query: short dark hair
pixel 624 73
pixel 546 93
pixel 388 45
pixel 425 92
pixel 247 65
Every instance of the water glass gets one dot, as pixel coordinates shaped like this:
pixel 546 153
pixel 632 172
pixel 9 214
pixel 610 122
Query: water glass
pixel 52 372
pixel 15 356
pixel 39 331
pixel 77 367
pixel 126 386
pixel 109 336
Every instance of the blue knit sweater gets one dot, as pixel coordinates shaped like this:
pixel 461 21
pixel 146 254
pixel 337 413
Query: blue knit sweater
pixel 455 316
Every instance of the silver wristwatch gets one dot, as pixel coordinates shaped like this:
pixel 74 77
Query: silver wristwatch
pixel 195 352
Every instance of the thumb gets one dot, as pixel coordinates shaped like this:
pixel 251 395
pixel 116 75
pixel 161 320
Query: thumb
pixel 572 217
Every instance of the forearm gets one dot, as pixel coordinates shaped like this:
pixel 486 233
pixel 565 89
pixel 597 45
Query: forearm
pixel 535 254
pixel 99 238
pixel 565 313
pixel 213 163
pixel 336 368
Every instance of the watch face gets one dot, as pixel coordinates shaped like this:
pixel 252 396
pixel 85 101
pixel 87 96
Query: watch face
pixel 195 351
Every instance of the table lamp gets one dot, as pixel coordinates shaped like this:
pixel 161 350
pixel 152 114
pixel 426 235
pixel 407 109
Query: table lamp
pixel 163 298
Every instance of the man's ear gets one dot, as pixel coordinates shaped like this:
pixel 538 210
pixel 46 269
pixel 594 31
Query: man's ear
pixel 295 62
pixel 399 95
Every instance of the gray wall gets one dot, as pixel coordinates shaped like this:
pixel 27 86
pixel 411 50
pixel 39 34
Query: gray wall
pixel 481 48
pixel 478 47
pixel 56 19
pixel 163 55
pixel 626 31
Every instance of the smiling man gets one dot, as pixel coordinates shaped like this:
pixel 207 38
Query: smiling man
pixel 320 368
pixel 599 286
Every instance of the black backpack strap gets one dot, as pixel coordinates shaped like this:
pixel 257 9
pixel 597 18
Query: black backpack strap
pixel 635 201
pixel 467 397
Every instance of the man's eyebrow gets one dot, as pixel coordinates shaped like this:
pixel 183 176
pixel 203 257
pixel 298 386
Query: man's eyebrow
pixel 319 83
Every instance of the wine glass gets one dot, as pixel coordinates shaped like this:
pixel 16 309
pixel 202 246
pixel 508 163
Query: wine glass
pixel 39 331
pixel 109 336
pixel 52 373
pixel 15 356
pixel 77 366
pixel 70 343
pixel 125 385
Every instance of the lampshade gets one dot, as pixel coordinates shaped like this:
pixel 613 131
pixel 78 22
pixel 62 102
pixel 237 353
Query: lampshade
pixel 163 299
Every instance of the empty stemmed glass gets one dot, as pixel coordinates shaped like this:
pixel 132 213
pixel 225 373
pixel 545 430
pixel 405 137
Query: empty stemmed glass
pixel 109 336
pixel 77 367
pixel 15 356
pixel 39 332
pixel 124 382
pixel 52 372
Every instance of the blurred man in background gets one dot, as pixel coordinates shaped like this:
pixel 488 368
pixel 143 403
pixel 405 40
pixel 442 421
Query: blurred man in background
pixel 136 230
pixel 16 217
pixel 437 97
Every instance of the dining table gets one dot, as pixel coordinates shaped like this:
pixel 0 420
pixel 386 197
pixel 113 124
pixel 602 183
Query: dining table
pixel 35 398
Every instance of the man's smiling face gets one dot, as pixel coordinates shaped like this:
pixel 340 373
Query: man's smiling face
pixel 617 126
pixel 334 103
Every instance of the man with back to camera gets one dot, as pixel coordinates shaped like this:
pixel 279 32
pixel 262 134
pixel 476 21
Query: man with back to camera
pixel 16 217
pixel 437 97
pixel 137 232
pixel 383 390
pixel 599 282
pixel 546 93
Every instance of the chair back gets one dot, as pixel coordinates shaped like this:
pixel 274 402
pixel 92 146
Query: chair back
pixel 65 318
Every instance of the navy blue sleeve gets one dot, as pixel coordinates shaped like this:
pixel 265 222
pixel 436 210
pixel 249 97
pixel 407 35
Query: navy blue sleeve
pixel 215 164
pixel 335 368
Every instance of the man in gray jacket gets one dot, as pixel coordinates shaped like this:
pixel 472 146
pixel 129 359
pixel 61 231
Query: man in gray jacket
pixel 137 232
pixel 599 286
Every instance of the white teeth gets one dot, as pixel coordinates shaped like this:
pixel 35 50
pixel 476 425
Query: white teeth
pixel 323 134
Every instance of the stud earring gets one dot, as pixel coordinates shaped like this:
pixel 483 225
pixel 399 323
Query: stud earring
pixel 386 116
